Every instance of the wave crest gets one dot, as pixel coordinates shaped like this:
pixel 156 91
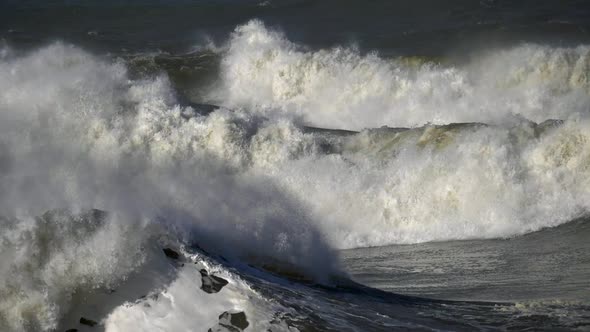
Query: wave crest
pixel 343 88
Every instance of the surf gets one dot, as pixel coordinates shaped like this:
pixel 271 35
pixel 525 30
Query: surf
pixel 308 152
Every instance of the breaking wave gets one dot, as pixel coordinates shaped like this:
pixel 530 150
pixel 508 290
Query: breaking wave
pixel 343 88
pixel 77 133
pixel 254 181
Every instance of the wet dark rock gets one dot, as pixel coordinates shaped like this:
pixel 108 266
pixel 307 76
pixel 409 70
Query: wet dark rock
pixel 237 319
pixel 72 330
pixel 171 253
pixel 88 322
pixel 211 283
pixel 231 322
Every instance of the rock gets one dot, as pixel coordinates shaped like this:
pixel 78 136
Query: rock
pixel 237 319
pixel 72 330
pixel 224 328
pixel 231 322
pixel 171 253
pixel 88 322
pixel 211 283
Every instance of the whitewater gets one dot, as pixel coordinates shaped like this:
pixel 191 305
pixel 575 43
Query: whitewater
pixel 299 154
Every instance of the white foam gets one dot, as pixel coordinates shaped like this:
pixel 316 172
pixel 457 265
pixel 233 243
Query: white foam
pixel 183 306
pixel 416 186
pixel 342 88
pixel 44 262
pixel 76 132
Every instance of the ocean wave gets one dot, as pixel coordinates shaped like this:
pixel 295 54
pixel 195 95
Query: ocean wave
pixel 343 88
pixel 92 128
pixel 77 133
pixel 254 183
pixel 435 183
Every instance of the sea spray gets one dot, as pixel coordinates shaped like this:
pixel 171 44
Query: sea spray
pixel 342 88
pixel 78 134
pixel 255 181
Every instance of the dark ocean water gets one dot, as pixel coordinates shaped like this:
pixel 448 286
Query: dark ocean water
pixel 312 165
pixel 423 27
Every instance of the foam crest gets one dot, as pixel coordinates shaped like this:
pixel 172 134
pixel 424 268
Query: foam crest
pixel 182 305
pixel 443 183
pixel 343 88
pixel 77 133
